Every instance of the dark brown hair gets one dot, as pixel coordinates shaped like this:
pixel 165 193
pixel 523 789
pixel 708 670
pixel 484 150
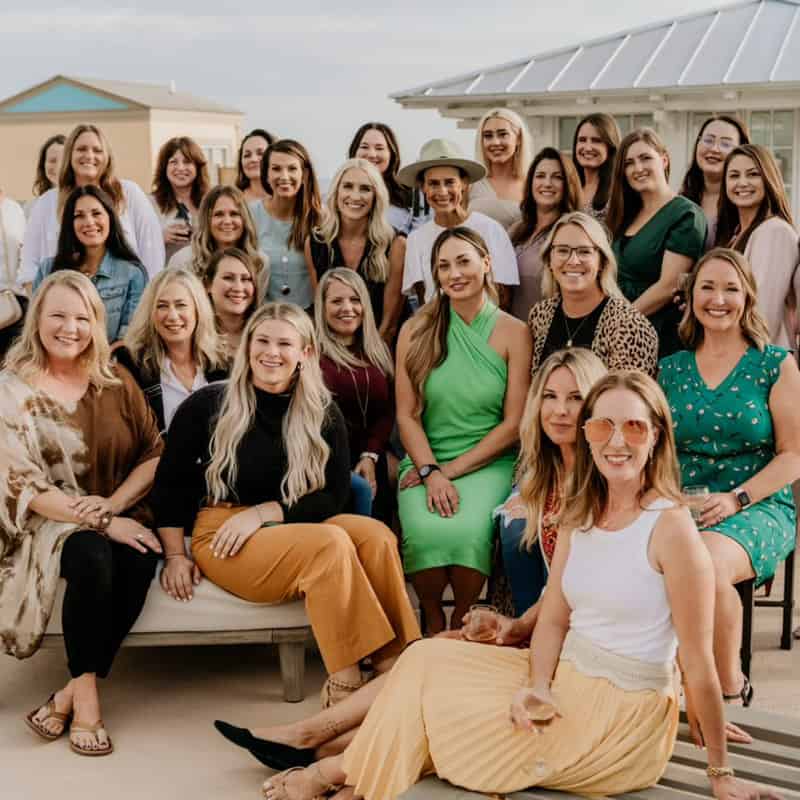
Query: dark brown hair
pixel 162 189
pixel 242 181
pixel 42 183
pixel 607 127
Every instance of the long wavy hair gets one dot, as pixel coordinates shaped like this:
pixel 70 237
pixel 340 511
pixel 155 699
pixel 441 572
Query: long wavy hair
pixel 774 204
pixel 399 195
pixel 203 243
pixel 147 348
pixel 607 127
pixel 369 349
pixel 307 451
pixel 625 202
pixel 694 183
pixel 71 252
pixel 28 359
pixel 606 277
pixel 242 181
pixel 570 197
pixel 524 149
pixel 754 326
pixel 163 193
pixel 108 180
pixel 41 183
pixel 540 467
pixel 427 347
pixel 587 490
pixel 380 233
pixel 308 212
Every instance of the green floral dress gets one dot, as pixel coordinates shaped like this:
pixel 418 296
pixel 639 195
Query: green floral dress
pixel 725 436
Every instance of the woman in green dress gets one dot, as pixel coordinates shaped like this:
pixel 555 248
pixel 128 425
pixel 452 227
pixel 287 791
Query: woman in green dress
pixel 657 235
pixel 733 398
pixel 463 370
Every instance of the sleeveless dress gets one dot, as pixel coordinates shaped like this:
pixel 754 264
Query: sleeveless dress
pixel 725 436
pixel 445 705
pixel 463 402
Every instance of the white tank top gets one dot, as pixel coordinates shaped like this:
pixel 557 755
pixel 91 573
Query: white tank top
pixel 618 601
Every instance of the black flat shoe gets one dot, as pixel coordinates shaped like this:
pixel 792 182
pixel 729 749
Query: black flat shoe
pixel 745 695
pixel 272 754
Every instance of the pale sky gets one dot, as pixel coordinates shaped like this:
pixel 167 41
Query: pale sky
pixel 308 69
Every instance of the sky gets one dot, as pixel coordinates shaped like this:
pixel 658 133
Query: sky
pixel 308 69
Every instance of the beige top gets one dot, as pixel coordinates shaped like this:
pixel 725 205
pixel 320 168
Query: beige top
pixel 484 199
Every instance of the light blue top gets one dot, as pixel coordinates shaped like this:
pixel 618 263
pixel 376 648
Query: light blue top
pixel 120 285
pixel 289 280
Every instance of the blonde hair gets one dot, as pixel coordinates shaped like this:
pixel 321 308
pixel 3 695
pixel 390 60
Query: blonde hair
pixel 380 233
pixel 28 359
pixel 587 493
pixel 107 181
pixel 147 348
pixel 540 466
pixel 606 277
pixel 524 152
pixel 427 347
pixel 369 348
pixel 307 452
pixel 753 325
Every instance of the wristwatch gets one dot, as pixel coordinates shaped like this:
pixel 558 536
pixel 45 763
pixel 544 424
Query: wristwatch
pixel 104 522
pixel 427 469
pixel 742 498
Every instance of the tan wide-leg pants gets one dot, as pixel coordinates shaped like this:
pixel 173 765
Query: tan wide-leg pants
pixel 347 568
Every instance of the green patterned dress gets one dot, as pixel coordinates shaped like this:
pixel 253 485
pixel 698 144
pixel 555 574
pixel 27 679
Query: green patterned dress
pixel 725 436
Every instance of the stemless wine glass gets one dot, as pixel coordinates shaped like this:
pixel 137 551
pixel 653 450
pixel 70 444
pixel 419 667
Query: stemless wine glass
pixel 695 497
pixel 483 623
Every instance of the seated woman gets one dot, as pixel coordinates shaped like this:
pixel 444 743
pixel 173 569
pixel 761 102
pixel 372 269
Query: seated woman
pixel 357 369
pixel 78 451
pixel 463 371
pixel 733 398
pixel 630 582
pixel 583 305
pixel 231 280
pixel 547 436
pixel 91 241
pixel 356 233
pixel 261 464
pixel 171 347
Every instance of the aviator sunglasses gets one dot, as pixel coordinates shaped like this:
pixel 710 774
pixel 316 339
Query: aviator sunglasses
pixel 599 430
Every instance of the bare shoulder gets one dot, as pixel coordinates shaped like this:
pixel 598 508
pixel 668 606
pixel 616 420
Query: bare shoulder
pixel 675 537
pixel 509 325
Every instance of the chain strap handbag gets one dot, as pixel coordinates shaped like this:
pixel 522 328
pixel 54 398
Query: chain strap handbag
pixel 10 308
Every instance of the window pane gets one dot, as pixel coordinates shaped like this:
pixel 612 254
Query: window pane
pixel 783 155
pixel 624 124
pixel 643 121
pixel 566 133
pixel 783 128
pixel 760 127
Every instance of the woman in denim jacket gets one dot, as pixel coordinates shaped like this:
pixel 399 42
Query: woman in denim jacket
pixel 91 241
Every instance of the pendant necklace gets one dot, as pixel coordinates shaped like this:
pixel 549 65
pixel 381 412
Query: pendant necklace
pixel 570 334
pixel 363 407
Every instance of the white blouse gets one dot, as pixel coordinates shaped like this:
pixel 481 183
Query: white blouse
pixel 11 236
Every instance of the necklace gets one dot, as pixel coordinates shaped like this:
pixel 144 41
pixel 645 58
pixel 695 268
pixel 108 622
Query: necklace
pixel 570 334
pixel 363 407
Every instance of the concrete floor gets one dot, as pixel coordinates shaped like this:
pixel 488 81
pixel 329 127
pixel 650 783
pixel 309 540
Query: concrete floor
pixel 159 705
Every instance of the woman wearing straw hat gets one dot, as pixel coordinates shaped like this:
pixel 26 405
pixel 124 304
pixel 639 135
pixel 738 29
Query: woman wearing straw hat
pixel 444 175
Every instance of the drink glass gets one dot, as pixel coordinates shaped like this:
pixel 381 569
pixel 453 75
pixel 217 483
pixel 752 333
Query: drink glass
pixel 695 497
pixel 483 624
pixel 539 712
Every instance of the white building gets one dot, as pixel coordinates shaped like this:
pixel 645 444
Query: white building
pixel 741 58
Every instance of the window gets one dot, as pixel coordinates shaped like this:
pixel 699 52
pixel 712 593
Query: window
pixel 626 123
pixel 217 156
pixel 775 130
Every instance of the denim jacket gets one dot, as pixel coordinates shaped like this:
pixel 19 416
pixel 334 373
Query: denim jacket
pixel 120 285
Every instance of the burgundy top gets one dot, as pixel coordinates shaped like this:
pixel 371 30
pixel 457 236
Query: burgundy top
pixel 364 396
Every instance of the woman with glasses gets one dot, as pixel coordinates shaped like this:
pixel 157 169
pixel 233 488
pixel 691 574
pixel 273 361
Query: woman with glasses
pixel 583 307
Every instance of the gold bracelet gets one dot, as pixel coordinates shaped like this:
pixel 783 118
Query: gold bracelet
pixel 168 556
pixel 720 772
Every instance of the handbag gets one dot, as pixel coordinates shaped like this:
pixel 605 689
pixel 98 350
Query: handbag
pixel 10 307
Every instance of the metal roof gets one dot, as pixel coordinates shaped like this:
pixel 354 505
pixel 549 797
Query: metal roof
pixel 750 42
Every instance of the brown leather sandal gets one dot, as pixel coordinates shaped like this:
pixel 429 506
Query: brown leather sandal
pixel 37 726
pixel 101 749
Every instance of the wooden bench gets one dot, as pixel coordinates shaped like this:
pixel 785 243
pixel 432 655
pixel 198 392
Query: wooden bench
pixel 772 759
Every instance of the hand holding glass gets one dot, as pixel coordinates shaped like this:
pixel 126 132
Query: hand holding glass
pixel 483 624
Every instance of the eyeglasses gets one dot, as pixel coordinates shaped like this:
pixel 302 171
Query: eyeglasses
pixel 563 252
pixel 725 145
pixel 599 430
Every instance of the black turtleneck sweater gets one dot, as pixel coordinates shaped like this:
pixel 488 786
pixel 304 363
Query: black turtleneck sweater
pixel 179 489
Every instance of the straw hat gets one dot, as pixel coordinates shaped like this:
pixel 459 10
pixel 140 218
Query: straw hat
pixel 440 153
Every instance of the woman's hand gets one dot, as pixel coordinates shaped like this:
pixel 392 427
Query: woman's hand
pixel 730 788
pixel 178 577
pixel 508 633
pixel 132 533
pixel 410 479
pixel 366 469
pixel 442 494
pixel 733 733
pixel 234 532
pixel 718 507
pixel 91 508
pixel 177 233
pixel 537 702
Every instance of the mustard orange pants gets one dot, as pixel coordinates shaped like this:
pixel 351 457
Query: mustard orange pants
pixel 347 568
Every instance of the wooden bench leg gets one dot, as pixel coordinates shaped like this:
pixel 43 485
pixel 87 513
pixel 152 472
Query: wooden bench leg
pixel 293 666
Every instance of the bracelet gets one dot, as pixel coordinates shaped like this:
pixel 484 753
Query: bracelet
pixel 720 772
pixel 373 457
pixel 168 556
pixel 103 523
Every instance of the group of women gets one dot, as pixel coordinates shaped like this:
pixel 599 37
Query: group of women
pixel 257 391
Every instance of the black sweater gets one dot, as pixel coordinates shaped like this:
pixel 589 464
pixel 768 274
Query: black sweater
pixel 179 490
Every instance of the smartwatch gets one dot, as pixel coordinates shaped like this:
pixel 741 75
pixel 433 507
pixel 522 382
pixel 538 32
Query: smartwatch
pixel 427 469
pixel 742 498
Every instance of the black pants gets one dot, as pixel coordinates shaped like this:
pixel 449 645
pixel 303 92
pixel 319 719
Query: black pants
pixel 107 584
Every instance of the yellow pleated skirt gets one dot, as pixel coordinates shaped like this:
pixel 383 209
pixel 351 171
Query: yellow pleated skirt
pixel 446 710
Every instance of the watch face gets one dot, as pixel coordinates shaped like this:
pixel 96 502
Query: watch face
pixel 424 472
pixel 743 498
